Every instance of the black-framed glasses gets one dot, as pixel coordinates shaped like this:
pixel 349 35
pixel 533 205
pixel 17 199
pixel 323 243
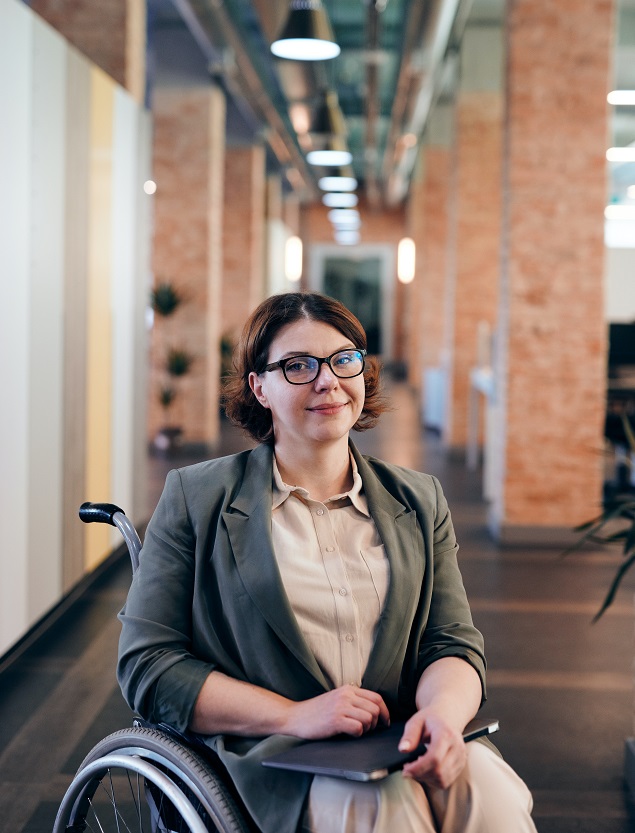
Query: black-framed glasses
pixel 300 370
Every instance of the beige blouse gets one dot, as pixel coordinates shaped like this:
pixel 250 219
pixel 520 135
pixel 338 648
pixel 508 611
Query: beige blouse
pixel 335 573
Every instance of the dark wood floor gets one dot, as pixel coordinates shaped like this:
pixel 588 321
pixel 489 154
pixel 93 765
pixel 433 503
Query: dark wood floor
pixel 561 687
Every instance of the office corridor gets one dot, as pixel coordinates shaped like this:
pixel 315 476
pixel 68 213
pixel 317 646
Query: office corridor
pixel 561 687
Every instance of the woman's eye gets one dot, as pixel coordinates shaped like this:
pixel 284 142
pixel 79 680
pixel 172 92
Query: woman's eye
pixel 297 366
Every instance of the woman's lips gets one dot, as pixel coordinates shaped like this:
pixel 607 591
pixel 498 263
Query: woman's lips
pixel 328 408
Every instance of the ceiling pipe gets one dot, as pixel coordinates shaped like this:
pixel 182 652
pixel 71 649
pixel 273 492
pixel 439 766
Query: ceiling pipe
pixel 431 26
pixel 373 194
pixel 213 20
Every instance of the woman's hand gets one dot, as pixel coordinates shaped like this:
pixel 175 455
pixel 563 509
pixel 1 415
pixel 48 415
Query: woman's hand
pixel 445 756
pixel 349 710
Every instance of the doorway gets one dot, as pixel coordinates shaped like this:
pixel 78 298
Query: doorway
pixel 357 284
pixel 361 278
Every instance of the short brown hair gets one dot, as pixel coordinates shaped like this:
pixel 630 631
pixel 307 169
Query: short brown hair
pixel 252 352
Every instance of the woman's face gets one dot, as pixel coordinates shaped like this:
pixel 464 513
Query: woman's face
pixel 321 411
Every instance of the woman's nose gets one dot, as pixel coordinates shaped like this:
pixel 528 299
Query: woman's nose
pixel 325 379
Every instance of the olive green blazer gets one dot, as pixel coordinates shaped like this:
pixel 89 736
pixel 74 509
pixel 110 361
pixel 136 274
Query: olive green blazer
pixel 208 595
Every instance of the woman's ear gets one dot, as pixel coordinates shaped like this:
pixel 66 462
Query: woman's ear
pixel 255 383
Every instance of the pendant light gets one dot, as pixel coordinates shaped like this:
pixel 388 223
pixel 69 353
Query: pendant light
pixel 339 181
pixel 307 34
pixel 333 155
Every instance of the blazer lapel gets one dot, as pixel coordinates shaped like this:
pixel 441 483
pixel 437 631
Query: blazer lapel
pixel 248 523
pixel 398 530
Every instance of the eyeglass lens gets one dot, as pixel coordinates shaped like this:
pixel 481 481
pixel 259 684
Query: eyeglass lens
pixel 302 369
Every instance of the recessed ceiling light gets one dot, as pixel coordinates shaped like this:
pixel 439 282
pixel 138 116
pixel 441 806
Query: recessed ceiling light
pixel 347 238
pixel 620 212
pixel 622 97
pixel 343 215
pixel 335 200
pixel 337 183
pixel 329 157
pixel 625 154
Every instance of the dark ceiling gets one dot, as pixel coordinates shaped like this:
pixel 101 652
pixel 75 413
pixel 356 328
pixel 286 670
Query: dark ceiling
pixel 396 57
pixel 398 60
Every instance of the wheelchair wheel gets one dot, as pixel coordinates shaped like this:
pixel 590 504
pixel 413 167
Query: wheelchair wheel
pixel 141 780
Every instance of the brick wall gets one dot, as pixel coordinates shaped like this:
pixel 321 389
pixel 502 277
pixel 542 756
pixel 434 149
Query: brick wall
pixel 188 168
pixel 432 265
pixel 476 258
pixel 243 236
pixel 553 336
pixel 111 33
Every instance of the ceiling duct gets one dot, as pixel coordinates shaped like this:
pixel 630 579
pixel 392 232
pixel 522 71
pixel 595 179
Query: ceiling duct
pixel 372 106
pixel 430 26
pixel 213 21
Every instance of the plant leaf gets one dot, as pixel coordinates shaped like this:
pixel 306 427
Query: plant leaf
pixel 628 430
pixel 629 543
pixel 608 601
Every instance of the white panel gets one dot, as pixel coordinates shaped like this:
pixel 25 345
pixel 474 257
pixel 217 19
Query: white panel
pixel 277 234
pixel 15 105
pixel 124 229
pixel 619 285
pixel 46 353
pixel 143 283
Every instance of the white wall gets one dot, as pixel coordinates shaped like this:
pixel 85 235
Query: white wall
pixel 46 175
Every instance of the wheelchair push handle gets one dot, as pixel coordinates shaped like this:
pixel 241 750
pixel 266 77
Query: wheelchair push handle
pixel 109 513
pixel 98 513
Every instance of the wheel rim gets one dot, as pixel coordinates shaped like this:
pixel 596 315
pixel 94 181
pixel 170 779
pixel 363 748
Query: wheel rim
pixel 124 794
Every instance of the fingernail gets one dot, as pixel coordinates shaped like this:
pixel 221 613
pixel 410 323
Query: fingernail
pixel 405 746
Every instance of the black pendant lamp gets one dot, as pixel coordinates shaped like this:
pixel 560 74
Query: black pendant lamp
pixel 307 34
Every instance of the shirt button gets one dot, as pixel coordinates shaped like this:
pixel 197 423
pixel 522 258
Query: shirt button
pixel 330 549
pixel 349 637
pixel 319 512
pixel 343 593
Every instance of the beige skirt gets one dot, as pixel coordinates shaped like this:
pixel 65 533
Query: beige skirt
pixel 488 797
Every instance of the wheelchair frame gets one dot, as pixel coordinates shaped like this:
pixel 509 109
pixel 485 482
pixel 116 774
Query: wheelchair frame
pixel 148 778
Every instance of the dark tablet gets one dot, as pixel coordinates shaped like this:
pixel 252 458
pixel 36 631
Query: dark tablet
pixel 368 758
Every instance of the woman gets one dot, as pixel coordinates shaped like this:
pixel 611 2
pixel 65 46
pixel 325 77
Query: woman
pixel 300 590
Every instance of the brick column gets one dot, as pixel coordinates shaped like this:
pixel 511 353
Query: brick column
pixel 416 227
pixel 552 336
pixel 189 147
pixel 243 236
pixel 473 282
pixel 431 230
pixel 111 33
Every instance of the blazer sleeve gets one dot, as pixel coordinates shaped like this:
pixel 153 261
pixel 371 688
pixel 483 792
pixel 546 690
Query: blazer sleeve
pixel 159 676
pixel 449 630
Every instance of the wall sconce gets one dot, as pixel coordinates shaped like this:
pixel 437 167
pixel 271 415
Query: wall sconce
pixel 293 259
pixel 406 260
pixel 307 34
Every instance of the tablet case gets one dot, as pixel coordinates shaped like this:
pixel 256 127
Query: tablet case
pixel 368 758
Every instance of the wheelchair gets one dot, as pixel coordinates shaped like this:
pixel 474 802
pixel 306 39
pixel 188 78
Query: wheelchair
pixel 148 777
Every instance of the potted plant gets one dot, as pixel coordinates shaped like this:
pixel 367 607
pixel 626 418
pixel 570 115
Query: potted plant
pixel 177 364
pixel 165 299
pixel 168 436
pixel 615 525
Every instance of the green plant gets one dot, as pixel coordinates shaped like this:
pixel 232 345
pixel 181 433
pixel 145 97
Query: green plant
pixel 165 299
pixel 178 362
pixel 166 397
pixel 615 525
